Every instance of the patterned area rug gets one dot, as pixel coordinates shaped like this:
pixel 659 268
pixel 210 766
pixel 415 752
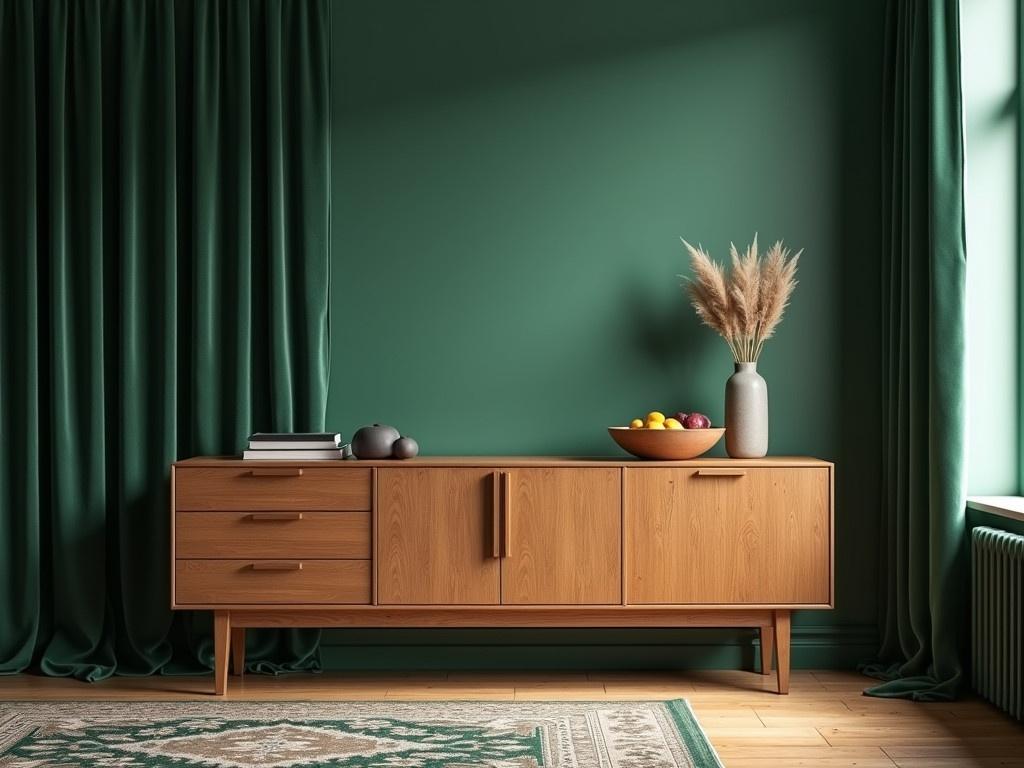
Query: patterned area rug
pixel 452 734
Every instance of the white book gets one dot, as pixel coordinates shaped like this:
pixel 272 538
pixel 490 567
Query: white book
pixel 295 455
pixel 288 445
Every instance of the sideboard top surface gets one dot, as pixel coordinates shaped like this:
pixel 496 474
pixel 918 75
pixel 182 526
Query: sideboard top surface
pixel 511 461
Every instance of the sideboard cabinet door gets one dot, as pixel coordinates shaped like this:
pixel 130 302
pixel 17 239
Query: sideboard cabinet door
pixel 752 536
pixel 563 537
pixel 435 537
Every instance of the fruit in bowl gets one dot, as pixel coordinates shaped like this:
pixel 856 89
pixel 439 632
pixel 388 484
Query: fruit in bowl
pixel 697 421
pixel 685 435
pixel 682 420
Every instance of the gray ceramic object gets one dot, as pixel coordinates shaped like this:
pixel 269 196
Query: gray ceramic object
pixel 405 448
pixel 746 413
pixel 374 441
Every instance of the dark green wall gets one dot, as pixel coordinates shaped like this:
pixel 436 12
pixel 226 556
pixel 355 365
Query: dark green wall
pixel 510 181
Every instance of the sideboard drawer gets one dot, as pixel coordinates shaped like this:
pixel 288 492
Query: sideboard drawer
pixel 272 488
pixel 238 582
pixel 323 535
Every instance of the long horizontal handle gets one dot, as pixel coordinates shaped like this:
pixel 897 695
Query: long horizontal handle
pixel 277 472
pixel 273 565
pixel 721 473
pixel 270 516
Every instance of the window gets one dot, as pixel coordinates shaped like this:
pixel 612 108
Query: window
pixel 991 73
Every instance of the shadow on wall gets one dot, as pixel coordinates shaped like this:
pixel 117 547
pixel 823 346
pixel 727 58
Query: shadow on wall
pixel 510 181
pixel 510 186
pixel 423 50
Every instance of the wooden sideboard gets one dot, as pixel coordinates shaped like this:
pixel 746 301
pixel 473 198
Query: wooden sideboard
pixel 502 542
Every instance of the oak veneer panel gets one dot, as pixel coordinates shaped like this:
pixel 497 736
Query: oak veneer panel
pixel 564 542
pixel 236 487
pixel 435 537
pixel 760 537
pixel 498 616
pixel 504 462
pixel 324 535
pixel 234 582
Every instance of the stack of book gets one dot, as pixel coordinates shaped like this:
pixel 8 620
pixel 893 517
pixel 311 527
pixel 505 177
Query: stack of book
pixel 295 446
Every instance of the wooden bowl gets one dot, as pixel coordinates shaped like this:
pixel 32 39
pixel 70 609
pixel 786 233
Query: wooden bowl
pixel 666 444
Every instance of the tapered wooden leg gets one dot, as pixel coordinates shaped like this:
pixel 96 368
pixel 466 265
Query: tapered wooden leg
pixel 782 623
pixel 238 650
pixel 767 633
pixel 221 650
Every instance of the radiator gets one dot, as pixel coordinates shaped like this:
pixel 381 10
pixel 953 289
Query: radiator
pixel 997 624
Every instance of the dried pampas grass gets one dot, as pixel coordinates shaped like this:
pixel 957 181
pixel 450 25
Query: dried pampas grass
pixel 746 305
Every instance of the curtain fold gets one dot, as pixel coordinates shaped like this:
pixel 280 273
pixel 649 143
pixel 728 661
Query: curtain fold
pixel 163 242
pixel 923 356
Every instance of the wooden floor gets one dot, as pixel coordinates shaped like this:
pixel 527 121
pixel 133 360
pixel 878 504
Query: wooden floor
pixel 825 721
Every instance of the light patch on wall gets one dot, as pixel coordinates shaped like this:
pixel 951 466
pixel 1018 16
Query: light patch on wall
pixel 989 71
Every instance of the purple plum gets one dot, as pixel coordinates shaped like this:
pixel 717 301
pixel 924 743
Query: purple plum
pixel 697 421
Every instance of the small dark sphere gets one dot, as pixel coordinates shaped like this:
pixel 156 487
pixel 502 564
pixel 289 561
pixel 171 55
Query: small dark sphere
pixel 405 448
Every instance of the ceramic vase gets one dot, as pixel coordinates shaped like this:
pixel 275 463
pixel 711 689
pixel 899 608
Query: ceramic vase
pixel 746 413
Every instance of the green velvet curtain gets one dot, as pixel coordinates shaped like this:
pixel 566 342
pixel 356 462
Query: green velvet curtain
pixel 164 243
pixel 923 295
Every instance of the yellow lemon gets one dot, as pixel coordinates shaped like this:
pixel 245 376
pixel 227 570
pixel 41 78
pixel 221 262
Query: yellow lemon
pixel 636 424
pixel 672 424
pixel 657 416
pixel 655 425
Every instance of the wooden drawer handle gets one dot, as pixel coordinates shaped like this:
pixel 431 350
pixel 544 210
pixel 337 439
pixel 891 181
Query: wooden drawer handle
pixel 721 473
pixel 269 565
pixel 270 516
pixel 277 472
pixel 506 503
pixel 495 514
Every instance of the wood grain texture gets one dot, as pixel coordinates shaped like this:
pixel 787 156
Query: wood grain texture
pixel 499 616
pixel 221 649
pixel 782 621
pixel 748 725
pixel 435 539
pixel 652 610
pixel 564 537
pixel 509 461
pixel 506 513
pixel 238 650
pixel 707 543
pixel 374 560
pixel 762 537
pixel 234 487
pixel 766 636
pixel 666 444
pixel 232 582
pixel 497 479
pixel 170 527
pixel 225 535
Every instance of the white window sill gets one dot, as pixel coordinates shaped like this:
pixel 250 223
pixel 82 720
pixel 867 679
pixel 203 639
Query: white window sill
pixel 1011 507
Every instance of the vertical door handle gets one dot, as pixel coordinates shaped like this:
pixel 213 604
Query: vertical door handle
pixel 506 497
pixel 495 514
